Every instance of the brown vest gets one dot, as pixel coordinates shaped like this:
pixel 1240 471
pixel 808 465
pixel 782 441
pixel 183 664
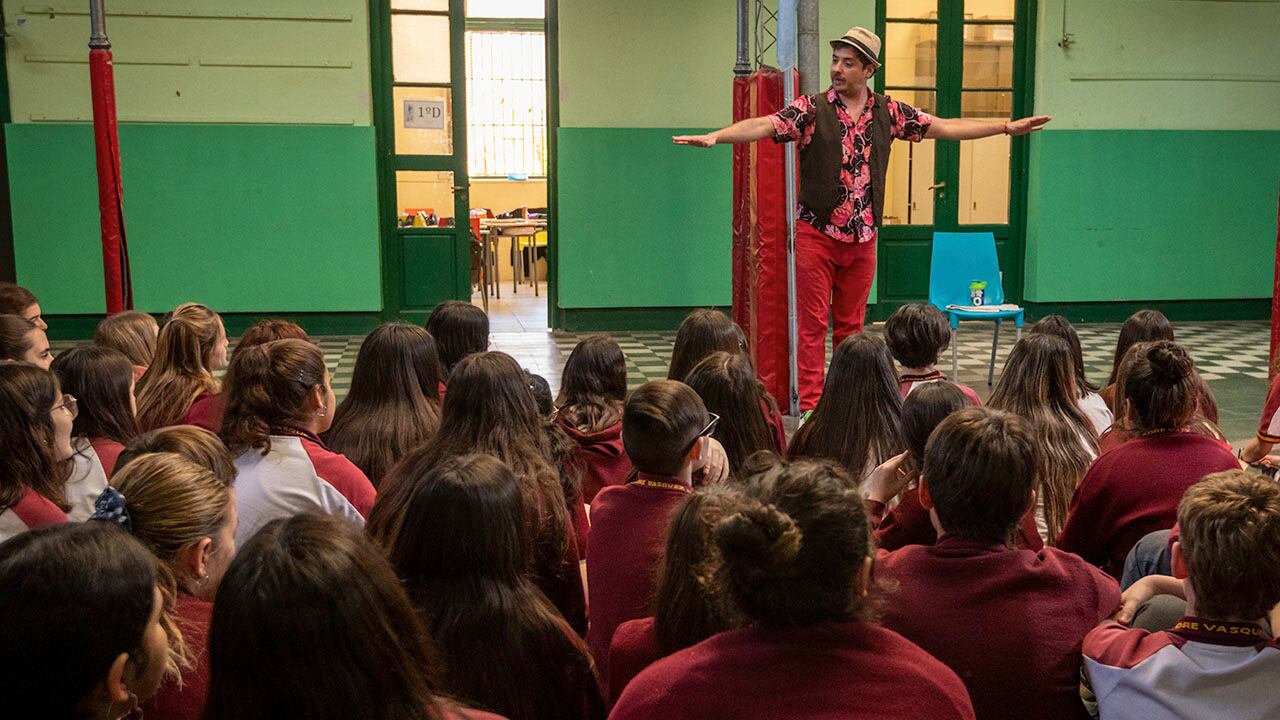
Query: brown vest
pixel 820 159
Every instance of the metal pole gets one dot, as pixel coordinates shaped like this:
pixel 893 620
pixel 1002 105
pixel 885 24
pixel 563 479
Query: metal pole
pixel 807 45
pixel 787 62
pixel 742 67
pixel 98 26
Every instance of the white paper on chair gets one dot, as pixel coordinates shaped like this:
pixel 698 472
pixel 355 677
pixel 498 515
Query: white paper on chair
pixel 984 308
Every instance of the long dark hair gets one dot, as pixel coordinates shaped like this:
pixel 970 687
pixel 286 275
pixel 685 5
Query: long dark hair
pixel 1142 326
pixel 928 405
pixel 702 333
pixel 100 379
pixel 685 610
pixel 311 621
pixel 793 554
pixel 267 387
pixel 73 598
pixel 393 405
pixel 488 409
pixel 29 460
pixel 1061 327
pixel 857 421
pixel 1038 384
pixel 461 554
pixel 594 385
pixel 460 329
pixel 729 388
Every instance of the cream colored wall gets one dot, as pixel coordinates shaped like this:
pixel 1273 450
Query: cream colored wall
pixel 503 195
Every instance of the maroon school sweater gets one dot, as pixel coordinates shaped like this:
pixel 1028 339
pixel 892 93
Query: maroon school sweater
pixel 844 671
pixel 1134 490
pixel 628 539
pixel 908 523
pixel 773 418
pixel 634 648
pixel 602 457
pixel 207 412
pixel 108 452
pixel 1008 622
pixel 187 702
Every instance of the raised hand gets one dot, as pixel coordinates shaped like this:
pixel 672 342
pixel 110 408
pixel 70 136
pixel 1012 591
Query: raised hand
pixel 704 141
pixel 1027 125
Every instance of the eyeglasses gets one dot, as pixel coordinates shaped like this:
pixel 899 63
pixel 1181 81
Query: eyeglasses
pixel 706 431
pixel 70 405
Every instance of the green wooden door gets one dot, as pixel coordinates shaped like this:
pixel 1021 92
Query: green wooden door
pixel 953 58
pixel 420 106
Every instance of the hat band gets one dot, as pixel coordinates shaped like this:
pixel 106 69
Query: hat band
pixel 857 44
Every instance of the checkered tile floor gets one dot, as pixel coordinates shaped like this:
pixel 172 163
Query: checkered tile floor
pixel 1232 356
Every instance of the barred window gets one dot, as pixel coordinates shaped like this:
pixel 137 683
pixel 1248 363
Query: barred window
pixel 506 104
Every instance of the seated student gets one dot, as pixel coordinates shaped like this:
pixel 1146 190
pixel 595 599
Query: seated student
pixel 891 492
pixel 279 400
pixel 208 409
pixel 493 412
pixel 80 623
pixel 17 300
pixel 35 434
pixel 1151 326
pixel 729 389
pixel 1092 404
pixel 592 392
pixel 186 516
pixel 1007 621
pixel 1218 661
pixel 1121 431
pixel 460 329
pixel 857 422
pixel 684 611
pixel 23 341
pixel 917 333
pixel 709 331
pixel 311 622
pixel 1134 489
pixel 664 427
pixel 795 567
pixel 193 443
pixel 392 407
pixel 132 333
pixel 1038 384
pixel 461 554
pixel 192 344
pixel 101 380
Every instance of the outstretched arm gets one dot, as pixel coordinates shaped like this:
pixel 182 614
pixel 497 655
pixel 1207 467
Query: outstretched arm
pixel 743 131
pixel 965 129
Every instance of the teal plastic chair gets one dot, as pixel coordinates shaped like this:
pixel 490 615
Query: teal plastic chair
pixel 958 260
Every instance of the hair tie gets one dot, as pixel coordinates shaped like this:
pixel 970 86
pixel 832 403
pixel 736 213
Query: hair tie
pixel 111 507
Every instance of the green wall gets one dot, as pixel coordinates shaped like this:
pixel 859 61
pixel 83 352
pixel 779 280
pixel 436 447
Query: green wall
pixel 242 218
pixel 1157 178
pixel 644 223
pixel 247 153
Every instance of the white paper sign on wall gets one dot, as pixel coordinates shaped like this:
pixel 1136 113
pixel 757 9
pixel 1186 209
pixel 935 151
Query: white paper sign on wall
pixel 424 114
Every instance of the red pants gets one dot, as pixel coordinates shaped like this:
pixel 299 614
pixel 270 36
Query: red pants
pixel 832 277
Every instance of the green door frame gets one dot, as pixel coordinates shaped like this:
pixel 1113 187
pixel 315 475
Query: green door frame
pixel 395 239
pixel 901 241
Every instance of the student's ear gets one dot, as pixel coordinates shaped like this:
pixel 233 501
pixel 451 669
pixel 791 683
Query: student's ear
pixel 1179 561
pixel 112 688
pixel 863 584
pixel 695 452
pixel 315 401
pixel 926 501
pixel 195 557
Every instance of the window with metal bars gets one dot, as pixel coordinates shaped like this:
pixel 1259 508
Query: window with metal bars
pixel 506 104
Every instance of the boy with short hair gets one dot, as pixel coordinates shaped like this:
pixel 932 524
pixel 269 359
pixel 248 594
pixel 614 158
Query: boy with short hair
pixel 664 430
pixel 917 333
pixel 1218 661
pixel 1007 621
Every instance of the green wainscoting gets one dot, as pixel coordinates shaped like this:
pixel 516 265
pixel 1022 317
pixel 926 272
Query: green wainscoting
pixel 245 218
pixel 1142 215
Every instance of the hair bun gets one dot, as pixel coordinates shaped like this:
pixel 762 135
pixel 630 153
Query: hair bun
pixel 762 538
pixel 1169 361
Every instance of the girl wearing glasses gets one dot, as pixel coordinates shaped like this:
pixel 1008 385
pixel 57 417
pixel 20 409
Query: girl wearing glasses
pixel 35 432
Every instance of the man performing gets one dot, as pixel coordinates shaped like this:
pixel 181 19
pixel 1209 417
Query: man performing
pixel 845 136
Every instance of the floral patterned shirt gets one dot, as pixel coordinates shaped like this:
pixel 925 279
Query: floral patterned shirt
pixel 852 219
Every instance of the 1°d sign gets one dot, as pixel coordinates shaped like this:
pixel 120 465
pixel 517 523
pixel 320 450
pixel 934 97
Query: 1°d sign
pixel 424 114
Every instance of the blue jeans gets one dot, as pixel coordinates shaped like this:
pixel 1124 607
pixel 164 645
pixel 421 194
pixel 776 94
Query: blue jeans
pixel 1149 557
